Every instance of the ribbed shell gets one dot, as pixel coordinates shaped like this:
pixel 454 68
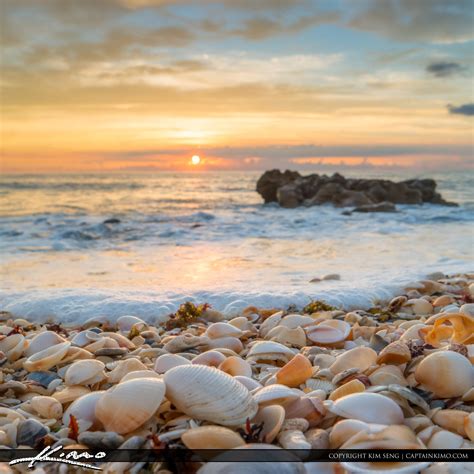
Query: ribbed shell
pixel 209 394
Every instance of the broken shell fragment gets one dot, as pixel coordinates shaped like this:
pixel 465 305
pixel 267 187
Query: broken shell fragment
pixel 295 372
pixel 272 417
pixel 395 353
pixel 47 358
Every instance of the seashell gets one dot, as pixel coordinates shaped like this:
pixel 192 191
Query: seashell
pixel 83 338
pixel 47 358
pixel 444 439
pixel 293 439
pixel 447 374
pixel 386 375
pixel 295 372
pixel 354 386
pixel 217 330
pixel 420 306
pixel 270 323
pixel 123 368
pixel 418 422
pixel 460 330
pixel 320 384
pixel 14 346
pixel 443 300
pixel 184 342
pixel 211 358
pixel 248 382
pixel 359 357
pixel 309 408
pixel 47 407
pixel 168 361
pixel 144 394
pixel 368 407
pixel 211 437
pixel 298 424
pixel 43 378
pixel 42 341
pixel 75 353
pixel 100 440
pixel 140 374
pixel 231 343
pixel 323 361
pixel 275 394
pixel 85 372
pixel 452 420
pixel 83 409
pixel 193 388
pixel 328 332
pixel 293 321
pixel 269 351
pixel 344 430
pixel 395 353
pixel 125 323
pixel 272 417
pixel 293 337
pixel 469 395
pixel 467 309
pixel 469 426
pixel 102 343
pixel 236 366
pixel 70 394
pixel 121 340
pixel 30 432
pixel 413 332
pixel 396 303
pixel 242 323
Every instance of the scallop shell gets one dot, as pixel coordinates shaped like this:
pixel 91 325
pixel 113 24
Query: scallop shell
pixel 211 437
pixel 272 417
pixel 209 394
pixel 220 329
pixel 83 409
pixel 368 407
pixel 210 358
pixel 275 394
pixel 114 407
pixel 166 362
pixel 85 372
pixel 236 366
pixel 47 407
pixel 295 372
pixel 42 341
pixel 359 357
pixel 320 384
pixel 47 358
pixel 447 374
pixel 328 332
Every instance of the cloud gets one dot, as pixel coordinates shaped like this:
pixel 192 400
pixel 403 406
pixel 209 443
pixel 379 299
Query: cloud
pixel 464 109
pixel 444 68
pixel 433 21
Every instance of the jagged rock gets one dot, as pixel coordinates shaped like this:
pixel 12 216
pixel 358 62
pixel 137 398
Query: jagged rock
pixel 380 207
pixel 270 181
pixel 289 195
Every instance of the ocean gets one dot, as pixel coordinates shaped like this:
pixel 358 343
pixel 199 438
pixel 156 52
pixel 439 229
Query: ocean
pixel 207 237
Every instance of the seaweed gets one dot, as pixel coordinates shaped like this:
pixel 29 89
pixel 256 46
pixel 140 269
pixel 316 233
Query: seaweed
pixel 316 306
pixel 187 313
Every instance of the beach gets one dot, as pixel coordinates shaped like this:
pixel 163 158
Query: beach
pixel 398 374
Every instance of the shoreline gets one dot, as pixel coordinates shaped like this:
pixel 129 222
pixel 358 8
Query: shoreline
pixel 303 379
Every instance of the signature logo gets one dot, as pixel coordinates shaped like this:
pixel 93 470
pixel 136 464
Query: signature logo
pixel 72 458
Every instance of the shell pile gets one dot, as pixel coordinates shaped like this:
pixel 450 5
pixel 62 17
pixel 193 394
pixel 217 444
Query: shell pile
pixel 397 376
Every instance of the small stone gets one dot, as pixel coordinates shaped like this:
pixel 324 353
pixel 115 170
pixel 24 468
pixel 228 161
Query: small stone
pixel 111 351
pixel 318 438
pixel 30 432
pixel 101 439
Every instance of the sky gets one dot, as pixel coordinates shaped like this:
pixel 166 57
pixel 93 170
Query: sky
pixel 143 85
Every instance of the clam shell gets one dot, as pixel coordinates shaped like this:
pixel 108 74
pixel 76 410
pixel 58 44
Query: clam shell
pixel 353 386
pixel 367 407
pixel 343 430
pixel 270 351
pixel 248 382
pixel 293 439
pixel 293 321
pixel 47 407
pixel 469 426
pixel 275 394
pixel 236 366
pixel 47 358
pixel 227 342
pixel 139 374
pixel 420 306
pixel 295 372
pixel 270 323
pixel 320 384
pixel 125 323
pixel 13 346
pixel 69 394
pixel 395 353
pixel 193 390
pixel 210 358
pixel 166 362
pixel 293 337
pixel 447 374
pixel 42 341
pixel 443 300
pixel 83 338
pixel 444 439
pixel 85 372
pixel 359 357
pixel 83 409
pixel 114 407
pixel 211 437
pixel 272 417
pixel 452 420
pixel 220 329
pixel 328 332
pixel 123 368
pixel 309 408
pixel 386 375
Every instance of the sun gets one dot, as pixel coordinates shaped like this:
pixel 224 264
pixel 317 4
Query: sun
pixel 195 160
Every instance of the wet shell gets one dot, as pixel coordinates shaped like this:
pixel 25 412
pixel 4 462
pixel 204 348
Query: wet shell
pixel 217 330
pixel 236 366
pixel 211 437
pixel 295 372
pixel 354 386
pixel 275 394
pixel 47 407
pixel 395 353
pixel 272 417
pixel 47 358
pixel 329 332
pixel 42 341
pixel 367 407
pixel 144 395
pixel 83 409
pixel 210 358
pixel 85 372
pixel 166 362
pixel 447 374
pixel 193 390
pixel 359 357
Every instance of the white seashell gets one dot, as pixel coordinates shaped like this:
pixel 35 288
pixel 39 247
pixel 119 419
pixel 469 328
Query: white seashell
pixel 140 374
pixel 85 372
pixel 121 340
pixel 270 323
pixel 114 408
pixel 14 346
pixel 293 321
pixel 275 394
pixel 69 394
pixel 47 358
pixel 220 329
pixel 320 384
pixel 210 358
pixel 367 407
pixel 83 338
pixel 242 323
pixel 211 437
pixel 236 366
pixel 359 357
pixel 83 409
pixel 328 332
pixel 420 306
pixel 125 323
pixel 293 337
pixel 269 350
pixel 193 389
pixel 227 342
pixel 42 341
pixel 343 430
pixel 444 439
pixel 467 309
pixel 293 439
pixel 413 332
pixel 168 361
pixel 47 407
pixel 272 417
pixel 249 383
pixel 469 426
pixel 123 368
